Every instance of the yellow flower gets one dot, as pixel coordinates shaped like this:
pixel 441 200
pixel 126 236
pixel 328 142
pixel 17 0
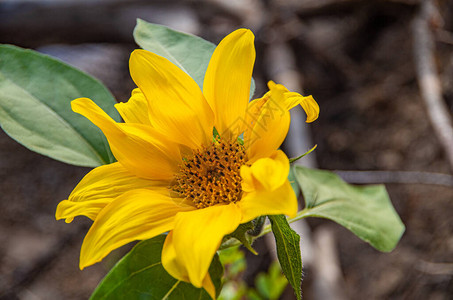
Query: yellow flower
pixel 172 175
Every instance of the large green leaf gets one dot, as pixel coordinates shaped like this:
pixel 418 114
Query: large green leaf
pixel 35 110
pixel 140 275
pixel 288 252
pixel 365 210
pixel 190 53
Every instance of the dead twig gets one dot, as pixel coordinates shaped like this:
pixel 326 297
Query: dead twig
pixel 434 268
pixel 375 177
pixel 322 8
pixel 428 78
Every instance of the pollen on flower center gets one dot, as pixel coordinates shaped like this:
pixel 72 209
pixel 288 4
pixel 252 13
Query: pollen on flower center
pixel 211 175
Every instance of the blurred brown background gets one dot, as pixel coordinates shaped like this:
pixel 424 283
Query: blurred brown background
pixel 359 60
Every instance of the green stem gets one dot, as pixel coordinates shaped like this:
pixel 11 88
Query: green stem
pixel 291 160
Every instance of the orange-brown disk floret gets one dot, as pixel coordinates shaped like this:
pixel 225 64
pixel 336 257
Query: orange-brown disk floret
pixel 211 175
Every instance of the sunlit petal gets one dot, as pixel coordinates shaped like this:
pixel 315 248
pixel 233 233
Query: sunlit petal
pixel 196 238
pixel 227 81
pixel 135 215
pixel 139 148
pixel 177 269
pixel 310 107
pixel 135 110
pixel 268 119
pixel 292 99
pixel 100 187
pixel 171 262
pixel 268 132
pixel 263 202
pixel 266 173
pixel 177 107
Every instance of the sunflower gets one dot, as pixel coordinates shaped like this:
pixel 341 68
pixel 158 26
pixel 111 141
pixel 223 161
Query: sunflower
pixel 193 163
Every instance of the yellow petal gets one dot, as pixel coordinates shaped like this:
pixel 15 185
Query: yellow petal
pixel 311 108
pixel 227 81
pixel 266 188
pixel 268 132
pixel 170 260
pixel 68 209
pixel 135 215
pixel 291 99
pixel 177 107
pixel 273 102
pixel 139 148
pixel 135 110
pixel 263 202
pixel 268 119
pixel 196 237
pixel 98 188
pixel 175 268
pixel 249 183
pixel 253 112
pixel 208 285
pixel 266 173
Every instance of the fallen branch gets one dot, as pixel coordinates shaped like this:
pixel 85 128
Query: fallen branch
pixel 432 268
pixel 328 282
pixel 428 78
pixel 374 177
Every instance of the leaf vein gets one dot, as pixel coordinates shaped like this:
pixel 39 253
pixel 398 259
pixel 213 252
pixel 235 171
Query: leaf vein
pixel 171 290
pixel 130 276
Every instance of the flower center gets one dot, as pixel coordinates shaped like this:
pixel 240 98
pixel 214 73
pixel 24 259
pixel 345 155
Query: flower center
pixel 211 175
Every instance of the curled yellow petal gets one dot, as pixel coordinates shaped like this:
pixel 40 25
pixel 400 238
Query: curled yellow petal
pixel 292 99
pixel 268 119
pixel 311 108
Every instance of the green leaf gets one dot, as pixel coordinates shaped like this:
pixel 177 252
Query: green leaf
pixel 190 53
pixel 288 252
pixel 35 107
pixel 140 275
pixel 365 210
